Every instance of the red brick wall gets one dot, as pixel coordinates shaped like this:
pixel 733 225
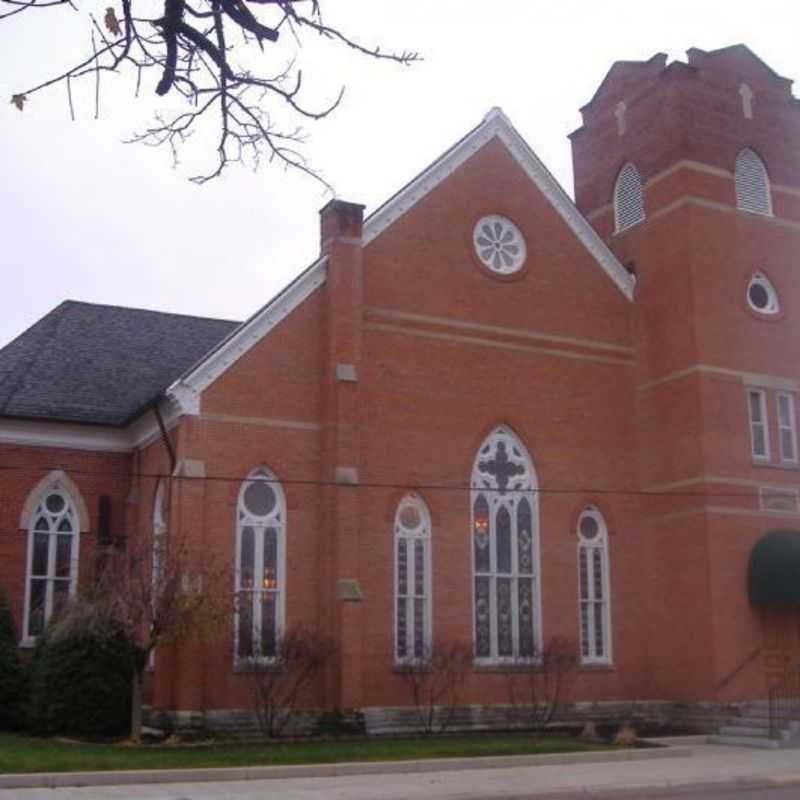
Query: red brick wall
pixel 95 474
pixel 614 400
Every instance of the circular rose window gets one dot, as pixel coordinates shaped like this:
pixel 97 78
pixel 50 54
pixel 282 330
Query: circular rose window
pixel 499 244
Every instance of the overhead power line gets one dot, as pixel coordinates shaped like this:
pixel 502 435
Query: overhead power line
pixel 438 487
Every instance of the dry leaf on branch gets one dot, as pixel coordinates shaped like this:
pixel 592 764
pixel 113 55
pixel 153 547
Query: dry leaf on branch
pixel 112 23
pixel 19 100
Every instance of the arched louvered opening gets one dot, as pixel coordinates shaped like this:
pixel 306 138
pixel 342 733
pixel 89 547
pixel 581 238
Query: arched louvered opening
pixel 752 184
pixel 628 199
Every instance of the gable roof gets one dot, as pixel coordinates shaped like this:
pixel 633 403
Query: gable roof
pixel 100 364
pixel 106 364
pixel 186 390
pixel 496 124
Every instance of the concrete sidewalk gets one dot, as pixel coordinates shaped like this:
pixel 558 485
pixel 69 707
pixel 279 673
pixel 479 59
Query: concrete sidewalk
pixel 690 768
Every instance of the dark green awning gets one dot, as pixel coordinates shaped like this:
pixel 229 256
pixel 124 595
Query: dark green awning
pixel 773 579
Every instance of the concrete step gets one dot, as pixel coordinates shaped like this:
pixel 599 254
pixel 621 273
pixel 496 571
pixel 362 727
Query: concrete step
pixel 763 743
pixel 744 730
pixel 739 722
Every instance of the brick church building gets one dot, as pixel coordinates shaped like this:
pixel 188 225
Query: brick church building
pixel 486 414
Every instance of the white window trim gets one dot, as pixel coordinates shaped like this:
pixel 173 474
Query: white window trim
pixel 424 534
pixel 536 592
pixel 599 543
pixel 261 473
pixel 58 486
pixel 773 303
pixel 762 395
pixel 792 427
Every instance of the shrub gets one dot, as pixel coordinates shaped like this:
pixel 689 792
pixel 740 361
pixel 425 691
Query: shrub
pixel 283 684
pixel 13 674
pixel 538 689
pixel 81 683
pixel 435 681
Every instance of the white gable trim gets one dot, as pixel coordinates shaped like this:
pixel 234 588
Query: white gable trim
pixel 186 391
pixel 496 124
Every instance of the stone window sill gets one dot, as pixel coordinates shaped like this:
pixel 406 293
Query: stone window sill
pixel 248 667
pixel 596 668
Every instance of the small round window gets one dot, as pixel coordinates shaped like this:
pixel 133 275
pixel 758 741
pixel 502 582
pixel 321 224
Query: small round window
pixel 761 295
pixel 259 498
pixel 499 244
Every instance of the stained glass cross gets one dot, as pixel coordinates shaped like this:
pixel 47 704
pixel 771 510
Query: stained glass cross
pixel 501 468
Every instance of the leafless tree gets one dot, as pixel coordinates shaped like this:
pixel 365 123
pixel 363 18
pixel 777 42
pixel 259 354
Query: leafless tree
pixel 434 682
pixel 538 689
pixel 158 593
pixel 215 54
pixel 283 683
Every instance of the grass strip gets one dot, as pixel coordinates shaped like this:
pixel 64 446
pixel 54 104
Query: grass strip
pixel 24 754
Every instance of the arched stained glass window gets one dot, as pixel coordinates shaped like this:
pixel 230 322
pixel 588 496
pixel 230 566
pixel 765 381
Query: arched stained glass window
pixel 412 535
pixel 593 588
pixel 260 566
pixel 628 199
pixel 505 551
pixel 752 184
pixel 52 558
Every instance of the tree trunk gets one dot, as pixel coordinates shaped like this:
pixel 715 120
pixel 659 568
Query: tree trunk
pixel 136 704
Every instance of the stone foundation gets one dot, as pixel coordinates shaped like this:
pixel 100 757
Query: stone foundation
pixel 388 721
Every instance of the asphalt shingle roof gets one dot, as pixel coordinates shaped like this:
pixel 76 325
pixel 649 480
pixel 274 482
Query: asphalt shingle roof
pixel 100 364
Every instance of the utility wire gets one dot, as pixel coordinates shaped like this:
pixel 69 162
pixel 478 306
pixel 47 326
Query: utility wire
pixel 465 487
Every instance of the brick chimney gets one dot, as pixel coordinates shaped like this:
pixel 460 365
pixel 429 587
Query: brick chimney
pixel 340 239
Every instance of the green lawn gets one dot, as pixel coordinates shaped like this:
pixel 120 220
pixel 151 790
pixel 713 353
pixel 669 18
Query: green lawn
pixel 28 754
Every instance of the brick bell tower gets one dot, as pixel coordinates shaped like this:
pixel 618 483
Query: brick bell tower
pixel 691 172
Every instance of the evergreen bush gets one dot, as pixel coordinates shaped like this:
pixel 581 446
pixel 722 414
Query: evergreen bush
pixel 81 683
pixel 13 673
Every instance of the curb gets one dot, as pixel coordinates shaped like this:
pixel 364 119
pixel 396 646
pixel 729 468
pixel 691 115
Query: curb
pixel 668 790
pixel 53 780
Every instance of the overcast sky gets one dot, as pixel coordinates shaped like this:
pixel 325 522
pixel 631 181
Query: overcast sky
pixel 87 217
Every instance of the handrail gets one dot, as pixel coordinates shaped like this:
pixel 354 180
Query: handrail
pixel 784 698
pixel 736 670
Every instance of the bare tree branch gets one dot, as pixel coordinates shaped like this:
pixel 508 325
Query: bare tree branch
pixel 226 85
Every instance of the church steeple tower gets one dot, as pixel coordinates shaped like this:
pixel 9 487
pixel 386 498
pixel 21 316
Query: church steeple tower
pixel 699 191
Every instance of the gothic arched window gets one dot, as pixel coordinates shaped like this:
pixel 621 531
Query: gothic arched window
pixel 593 588
pixel 752 184
pixel 505 551
pixel 412 535
pixel 52 566
pixel 628 199
pixel 260 566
